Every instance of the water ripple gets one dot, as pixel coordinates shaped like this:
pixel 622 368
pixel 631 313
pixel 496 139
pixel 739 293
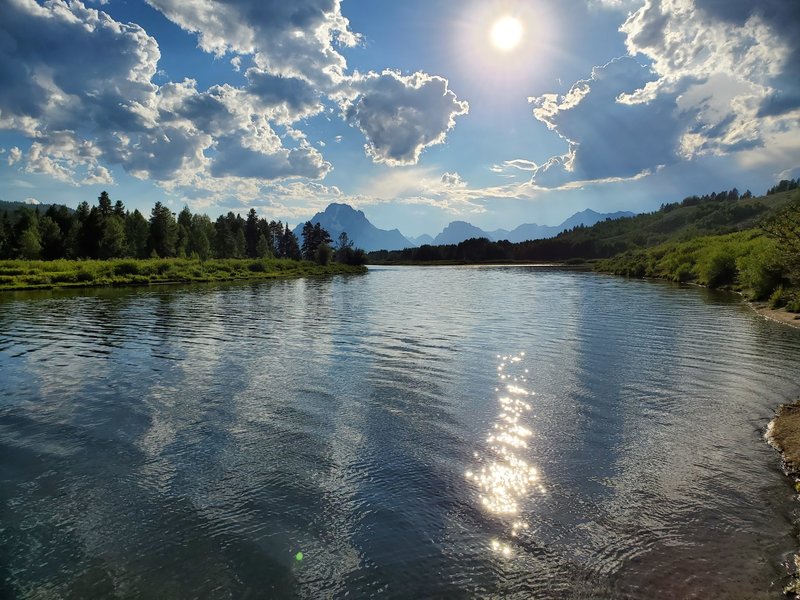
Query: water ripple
pixel 189 442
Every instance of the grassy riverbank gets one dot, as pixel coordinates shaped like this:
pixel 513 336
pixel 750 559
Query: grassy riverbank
pixel 37 274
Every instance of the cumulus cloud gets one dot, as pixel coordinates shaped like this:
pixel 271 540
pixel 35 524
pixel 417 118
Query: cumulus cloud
pixel 453 180
pixel 68 158
pixel 756 42
pixel 718 77
pixel 52 68
pixel 290 98
pixel 14 156
pixel 80 86
pixel 85 109
pixel 605 137
pixel 292 39
pixel 400 115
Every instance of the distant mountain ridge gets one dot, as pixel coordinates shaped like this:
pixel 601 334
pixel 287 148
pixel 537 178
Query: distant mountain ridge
pixel 10 206
pixel 342 217
pixel 337 218
pixel 458 231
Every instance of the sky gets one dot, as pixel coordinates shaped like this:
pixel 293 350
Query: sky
pixel 418 112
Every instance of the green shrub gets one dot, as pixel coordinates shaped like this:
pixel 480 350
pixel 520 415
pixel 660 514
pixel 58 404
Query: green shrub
pixel 779 298
pixel 684 273
pixel 760 270
pixel 718 268
pixel 128 267
pixel 323 254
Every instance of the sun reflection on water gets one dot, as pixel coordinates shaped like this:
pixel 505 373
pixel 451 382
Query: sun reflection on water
pixel 506 479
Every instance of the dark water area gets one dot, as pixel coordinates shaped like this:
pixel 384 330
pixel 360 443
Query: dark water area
pixel 416 433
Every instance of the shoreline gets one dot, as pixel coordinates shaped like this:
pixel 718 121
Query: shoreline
pixel 779 315
pixel 783 434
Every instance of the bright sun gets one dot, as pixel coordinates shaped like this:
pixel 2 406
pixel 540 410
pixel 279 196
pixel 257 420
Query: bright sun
pixel 506 33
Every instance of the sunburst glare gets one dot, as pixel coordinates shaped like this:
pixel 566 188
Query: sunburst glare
pixel 506 33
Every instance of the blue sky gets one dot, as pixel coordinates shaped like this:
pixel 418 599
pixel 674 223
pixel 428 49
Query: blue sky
pixel 406 110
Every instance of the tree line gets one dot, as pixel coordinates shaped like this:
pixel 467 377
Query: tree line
pixel 108 230
pixel 784 185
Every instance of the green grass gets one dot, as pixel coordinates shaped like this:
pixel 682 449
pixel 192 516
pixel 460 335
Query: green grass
pixel 37 274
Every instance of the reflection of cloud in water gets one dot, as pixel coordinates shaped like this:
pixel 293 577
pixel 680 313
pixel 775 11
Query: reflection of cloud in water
pixel 504 478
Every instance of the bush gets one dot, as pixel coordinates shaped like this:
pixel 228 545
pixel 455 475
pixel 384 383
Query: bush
pixel 257 266
pixel 760 270
pixel 684 273
pixel 128 267
pixel 779 298
pixel 323 254
pixel 718 269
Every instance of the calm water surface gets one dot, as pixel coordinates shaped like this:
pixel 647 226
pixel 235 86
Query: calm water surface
pixel 415 433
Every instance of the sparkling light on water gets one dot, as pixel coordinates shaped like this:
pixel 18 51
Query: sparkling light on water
pixel 505 479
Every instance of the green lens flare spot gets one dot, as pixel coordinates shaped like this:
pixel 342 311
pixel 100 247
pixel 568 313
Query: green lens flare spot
pixel 298 556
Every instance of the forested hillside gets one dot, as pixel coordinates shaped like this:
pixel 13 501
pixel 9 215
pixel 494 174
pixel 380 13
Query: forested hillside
pixel 763 261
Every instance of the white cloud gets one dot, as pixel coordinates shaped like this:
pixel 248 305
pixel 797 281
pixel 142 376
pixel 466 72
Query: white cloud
pixel 606 139
pixel 734 65
pixel 291 39
pixel 84 109
pixel 448 192
pixel 719 77
pixel 68 158
pixel 288 98
pixel 400 115
pixel 14 156
pixel 453 180
pixel 519 164
pixel 80 86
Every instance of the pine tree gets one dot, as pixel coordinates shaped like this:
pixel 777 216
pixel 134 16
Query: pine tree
pixel 251 233
pixel 289 246
pixel 163 231
pixel 137 231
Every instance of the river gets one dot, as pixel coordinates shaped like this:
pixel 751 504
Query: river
pixel 409 433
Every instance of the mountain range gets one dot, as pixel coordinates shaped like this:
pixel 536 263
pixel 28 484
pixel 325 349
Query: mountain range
pixel 342 217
